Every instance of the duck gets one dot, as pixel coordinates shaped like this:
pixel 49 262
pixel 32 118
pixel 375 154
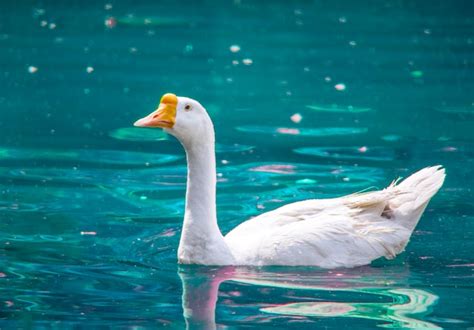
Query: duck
pixel 341 232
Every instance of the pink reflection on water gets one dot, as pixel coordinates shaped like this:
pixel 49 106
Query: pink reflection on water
pixel 275 168
pixel 290 131
pixel 449 149
pixel 167 233
pixel 460 265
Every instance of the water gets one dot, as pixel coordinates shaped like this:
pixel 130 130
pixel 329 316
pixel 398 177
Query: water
pixel 91 208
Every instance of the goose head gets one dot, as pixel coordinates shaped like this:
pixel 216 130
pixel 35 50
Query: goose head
pixel 182 117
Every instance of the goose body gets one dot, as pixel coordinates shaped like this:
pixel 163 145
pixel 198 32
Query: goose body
pixel 347 231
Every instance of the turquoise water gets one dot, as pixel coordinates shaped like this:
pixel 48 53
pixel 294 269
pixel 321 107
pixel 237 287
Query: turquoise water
pixel 91 208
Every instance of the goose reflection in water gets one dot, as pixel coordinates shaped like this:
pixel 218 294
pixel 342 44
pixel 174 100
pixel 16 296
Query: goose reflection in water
pixel 401 306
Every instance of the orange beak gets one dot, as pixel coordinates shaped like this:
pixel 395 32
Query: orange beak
pixel 164 116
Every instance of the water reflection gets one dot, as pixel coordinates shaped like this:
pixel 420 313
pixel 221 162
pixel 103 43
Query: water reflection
pixel 397 314
pixel 200 291
pixel 382 295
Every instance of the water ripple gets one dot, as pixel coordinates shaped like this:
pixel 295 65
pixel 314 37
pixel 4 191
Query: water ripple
pixel 303 131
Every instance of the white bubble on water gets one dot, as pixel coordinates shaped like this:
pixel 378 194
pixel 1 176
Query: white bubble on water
pixel 234 48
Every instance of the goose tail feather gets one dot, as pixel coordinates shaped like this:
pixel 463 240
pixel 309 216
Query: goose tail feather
pixel 414 193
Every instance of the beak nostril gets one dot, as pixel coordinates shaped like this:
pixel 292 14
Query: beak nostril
pixel 155 116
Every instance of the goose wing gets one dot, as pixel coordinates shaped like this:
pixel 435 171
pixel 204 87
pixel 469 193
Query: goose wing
pixel 341 232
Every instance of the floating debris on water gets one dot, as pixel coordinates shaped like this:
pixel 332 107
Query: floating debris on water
pixel 32 69
pixel 296 118
pixel 338 108
pixel 363 149
pixel 234 48
pixel 340 87
pixel 110 22
pixel 247 61
pixel 108 6
pixel 89 69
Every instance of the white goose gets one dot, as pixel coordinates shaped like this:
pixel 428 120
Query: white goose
pixel 347 231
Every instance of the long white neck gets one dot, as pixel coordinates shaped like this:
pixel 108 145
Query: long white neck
pixel 201 240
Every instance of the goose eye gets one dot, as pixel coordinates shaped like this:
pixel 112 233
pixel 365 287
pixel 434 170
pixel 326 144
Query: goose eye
pixel 188 107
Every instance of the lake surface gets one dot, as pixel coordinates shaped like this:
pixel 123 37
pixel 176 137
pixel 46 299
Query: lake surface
pixel 310 99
